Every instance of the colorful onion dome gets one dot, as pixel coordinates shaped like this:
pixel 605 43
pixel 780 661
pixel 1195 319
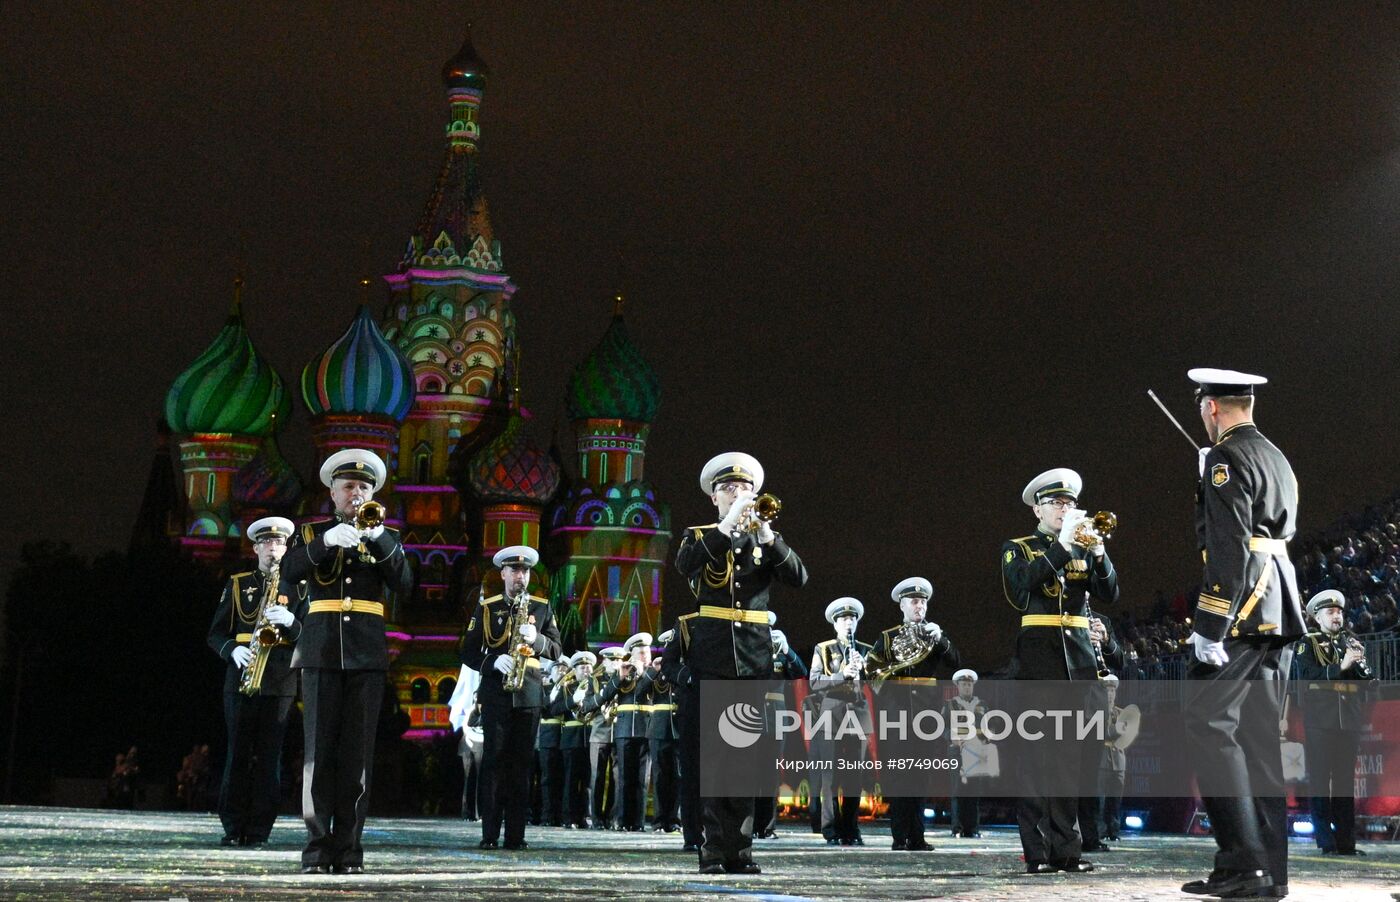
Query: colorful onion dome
pixel 614 381
pixel 361 372
pixel 513 468
pixel 229 388
pixel 466 69
pixel 267 481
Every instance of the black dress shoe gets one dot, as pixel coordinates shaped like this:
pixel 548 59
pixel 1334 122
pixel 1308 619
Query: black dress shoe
pixel 316 869
pixel 253 842
pixel 979 836
pixel 857 840
pixel 228 841
pixel 715 868
pixel 1352 852
pixel 1041 867
pixel 1222 882
pixel 517 846
pixel 899 846
pixel 919 847
pixel 690 847
pixel 487 844
pixel 743 867
pixel 348 869
pixel 833 841
pixel 1074 866
pixel 1111 837
pixel 1099 848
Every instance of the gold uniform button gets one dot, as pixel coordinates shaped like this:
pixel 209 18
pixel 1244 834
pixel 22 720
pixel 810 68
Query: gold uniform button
pixel 346 605
pixel 348 580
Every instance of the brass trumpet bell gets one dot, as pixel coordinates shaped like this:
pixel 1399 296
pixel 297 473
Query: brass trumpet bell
pixel 766 507
pixel 369 515
pixel 1096 530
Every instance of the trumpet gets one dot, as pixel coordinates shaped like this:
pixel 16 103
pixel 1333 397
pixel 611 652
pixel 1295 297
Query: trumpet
pixel 1094 531
pixel 764 510
pixel 367 516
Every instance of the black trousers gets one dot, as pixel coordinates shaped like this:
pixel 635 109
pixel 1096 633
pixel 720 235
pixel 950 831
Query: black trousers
pixel 550 764
pixel 1111 787
pixel 1232 716
pixel 724 831
pixel 1331 756
pixel 341 713
pixel 576 783
pixel 630 767
pixel 603 792
pixel 1090 806
pixel 967 811
pixel 665 777
pixel 841 790
pixel 252 783
pixel 508 746
pixel 907 821
pixel 471 780
pixel 1048 824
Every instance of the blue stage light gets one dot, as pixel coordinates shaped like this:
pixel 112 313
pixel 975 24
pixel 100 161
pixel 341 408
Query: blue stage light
pixel 1303 827
pixel 1132 822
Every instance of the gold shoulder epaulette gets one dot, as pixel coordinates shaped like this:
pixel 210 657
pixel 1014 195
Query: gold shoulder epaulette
pixel 543 601
pixel 491 599
pixel 241 575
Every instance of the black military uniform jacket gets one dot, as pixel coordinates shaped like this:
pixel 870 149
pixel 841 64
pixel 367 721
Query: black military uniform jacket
pixel 634 700
pixel 728 636
pixel 573 728
pixel 233 626
pixel 787 666
pixel 551 725
pixel 1333 698
pixel 488 637
pixel 1246 510
pixel 351 635
pixel 661 724
pixel 1045 582
pixel 941 655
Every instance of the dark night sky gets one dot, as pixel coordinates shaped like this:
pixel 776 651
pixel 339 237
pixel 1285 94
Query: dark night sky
pixel 907 255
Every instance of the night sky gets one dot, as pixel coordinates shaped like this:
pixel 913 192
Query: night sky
pixel 908 255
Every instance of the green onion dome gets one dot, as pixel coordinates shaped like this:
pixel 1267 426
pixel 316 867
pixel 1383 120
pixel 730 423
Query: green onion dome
pixel 229 388
pixel 614 381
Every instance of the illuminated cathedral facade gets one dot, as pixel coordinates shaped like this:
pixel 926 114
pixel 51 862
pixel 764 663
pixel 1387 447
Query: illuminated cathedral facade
pixel 429 383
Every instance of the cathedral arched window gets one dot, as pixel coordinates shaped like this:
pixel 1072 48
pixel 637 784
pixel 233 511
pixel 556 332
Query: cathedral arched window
pixel 420 692
pixel 445 689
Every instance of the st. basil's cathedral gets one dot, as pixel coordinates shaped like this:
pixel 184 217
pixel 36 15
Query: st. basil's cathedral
pixel 429 383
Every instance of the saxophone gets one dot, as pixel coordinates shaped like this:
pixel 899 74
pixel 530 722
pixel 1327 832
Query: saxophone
pixel 908 647
pixel 520 651
pixel 265 637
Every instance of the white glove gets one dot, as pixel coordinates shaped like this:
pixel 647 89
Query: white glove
pixel 1099 549
pixel 279 615
pixel 742 502
pixel 580 695
pixel 528 633
pixel 1201 460
pixel 781 638
pixel 1071 521
pixel 1208 652
pixel 765 533
pixel 502 664
pixel 935 632
pixel 374 533
pixel 241 656
pixel 342 535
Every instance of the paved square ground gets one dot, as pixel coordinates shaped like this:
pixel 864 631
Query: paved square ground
pixel 68 853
